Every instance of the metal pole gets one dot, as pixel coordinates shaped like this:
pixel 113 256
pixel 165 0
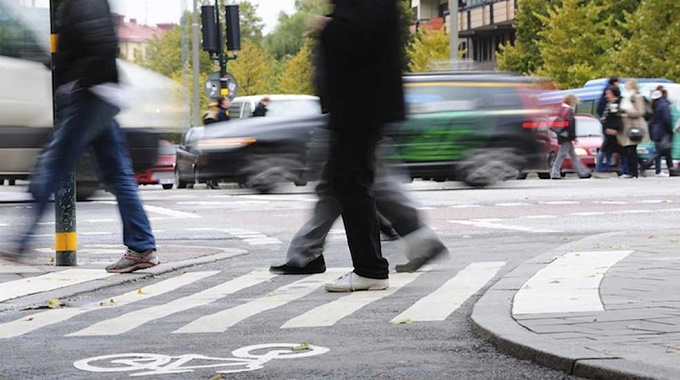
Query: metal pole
pixel 195 115
pixel 65 238
pixel 222 55
pixel 453 33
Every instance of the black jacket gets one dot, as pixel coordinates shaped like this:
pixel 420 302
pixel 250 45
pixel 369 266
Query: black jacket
pixel 611 119
pixel 260 110
pixel 361 64
pixel 568 132
pixel 661 124
pixel 88 46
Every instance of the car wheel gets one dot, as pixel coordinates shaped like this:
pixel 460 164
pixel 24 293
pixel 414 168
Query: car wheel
pixel 489 166
pixel 263 174
pixel 522 175
pixel 178 181
pixel 11 182
pixel 544 175
pixel 167 186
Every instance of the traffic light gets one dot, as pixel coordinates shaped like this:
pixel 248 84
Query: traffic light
pixel 233 28
pixel 211 38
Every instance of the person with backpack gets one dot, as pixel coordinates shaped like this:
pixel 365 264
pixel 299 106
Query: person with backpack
pixel 566 135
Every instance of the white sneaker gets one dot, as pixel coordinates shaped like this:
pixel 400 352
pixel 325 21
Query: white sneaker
pixel 352 282
pixel 662 174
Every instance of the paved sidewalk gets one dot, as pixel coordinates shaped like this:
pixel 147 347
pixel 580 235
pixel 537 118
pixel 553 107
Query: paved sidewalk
pixel 606 307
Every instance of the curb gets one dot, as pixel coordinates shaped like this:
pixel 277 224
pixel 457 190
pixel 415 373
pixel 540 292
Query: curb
pixel 492 320
pixel 39 298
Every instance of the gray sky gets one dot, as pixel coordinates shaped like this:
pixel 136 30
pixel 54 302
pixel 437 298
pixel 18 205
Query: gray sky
pixel 163 11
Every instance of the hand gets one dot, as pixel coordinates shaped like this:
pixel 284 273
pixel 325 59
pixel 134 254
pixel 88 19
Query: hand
pixel 319 23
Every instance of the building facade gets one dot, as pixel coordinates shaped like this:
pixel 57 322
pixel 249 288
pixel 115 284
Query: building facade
pixel 133 38
pixel 483 25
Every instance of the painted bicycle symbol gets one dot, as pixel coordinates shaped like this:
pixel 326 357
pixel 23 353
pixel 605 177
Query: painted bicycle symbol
pixel 245 359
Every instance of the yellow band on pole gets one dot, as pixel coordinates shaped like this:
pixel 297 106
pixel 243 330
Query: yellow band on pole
pixel 65 242
pixel 54 41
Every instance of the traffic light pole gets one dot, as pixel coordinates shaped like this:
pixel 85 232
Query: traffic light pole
pixel 222 56
pixel 65 239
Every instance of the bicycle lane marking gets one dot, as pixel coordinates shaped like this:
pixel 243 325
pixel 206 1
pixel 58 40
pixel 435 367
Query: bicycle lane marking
pixel 33 322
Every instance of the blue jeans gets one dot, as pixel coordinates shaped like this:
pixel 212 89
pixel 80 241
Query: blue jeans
pixel 86 121
pixel 603 162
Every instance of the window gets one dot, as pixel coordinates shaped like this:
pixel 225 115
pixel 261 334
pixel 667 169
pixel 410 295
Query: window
pixel 247 110
pixel 586 127
pixel 235 110
pixel 293 107
pixel 16 40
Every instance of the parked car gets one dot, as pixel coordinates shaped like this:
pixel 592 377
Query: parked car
pixel 242 107
pixel 26 101
pixel 461 126
pixel 162 173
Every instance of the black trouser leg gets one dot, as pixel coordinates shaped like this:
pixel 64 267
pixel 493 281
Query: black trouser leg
pixel 631 153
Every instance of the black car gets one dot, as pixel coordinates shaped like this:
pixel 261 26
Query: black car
pixel 470 127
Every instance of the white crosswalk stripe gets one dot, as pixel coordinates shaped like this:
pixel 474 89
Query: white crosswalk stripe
pixel 437 304
pixel 50 281
pixel 441 303
pixel 50 317
pixel 221 321
pixel 132 320
pixel 328 314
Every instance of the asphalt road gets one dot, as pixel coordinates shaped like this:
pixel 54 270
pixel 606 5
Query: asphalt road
pixel 373 335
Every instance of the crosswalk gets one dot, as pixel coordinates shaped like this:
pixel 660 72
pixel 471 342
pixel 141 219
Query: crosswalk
pixel 438 301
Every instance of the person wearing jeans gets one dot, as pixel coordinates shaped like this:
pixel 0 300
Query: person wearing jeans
pixel 88 97
pixel 566 135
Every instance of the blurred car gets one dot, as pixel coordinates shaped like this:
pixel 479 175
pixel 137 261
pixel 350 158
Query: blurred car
pixel 242 107
pixel 257 152
pixel 461 126
pixel 588 142
pixel 26 101
pixel 162 173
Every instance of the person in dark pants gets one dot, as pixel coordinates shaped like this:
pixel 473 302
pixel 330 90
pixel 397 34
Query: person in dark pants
pixel 261 108
pixel 88 96
pixel 360 44
pixel 661 131
pixel 611 125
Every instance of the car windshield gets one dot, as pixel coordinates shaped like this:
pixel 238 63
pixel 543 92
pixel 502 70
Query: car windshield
pixel 293 107
pixel 424 98
pixel 588 127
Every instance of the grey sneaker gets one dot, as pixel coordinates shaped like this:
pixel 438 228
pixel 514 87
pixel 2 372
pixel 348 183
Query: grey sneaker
pixel 352 282
pixel 133 260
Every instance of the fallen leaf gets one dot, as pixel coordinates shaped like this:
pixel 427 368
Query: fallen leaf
pixel 631 326
pixel 51 259
pixel 54 303
pixel 672 350
pixel 406 321
pixel 302 347
pixel 139 291
pixel 466 236
pixel 650 237
pixel 555 282
pixel 564 238
pixel 30 319
pixel 184 272
pixel 217 377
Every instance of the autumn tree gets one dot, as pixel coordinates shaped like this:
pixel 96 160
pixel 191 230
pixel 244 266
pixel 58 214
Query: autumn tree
pixel 297 75
pixel 427 47
pixel 292 32
pixel 253 70
pixel 652 50
pixel 576 43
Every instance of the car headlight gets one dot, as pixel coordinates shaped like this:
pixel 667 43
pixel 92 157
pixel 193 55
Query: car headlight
pixel 581 152
pixel 225 143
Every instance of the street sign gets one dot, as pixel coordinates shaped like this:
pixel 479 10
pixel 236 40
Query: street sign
pixel 212 86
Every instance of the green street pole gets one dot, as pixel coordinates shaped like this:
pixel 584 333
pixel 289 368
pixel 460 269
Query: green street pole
pixel 65 239
pixel 222 55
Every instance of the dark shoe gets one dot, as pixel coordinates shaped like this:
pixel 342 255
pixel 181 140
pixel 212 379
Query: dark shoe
pixel 389 235
pixel 317 265
pixel 418 262
pixel 556 178
pixel 585 176
pixel 213 185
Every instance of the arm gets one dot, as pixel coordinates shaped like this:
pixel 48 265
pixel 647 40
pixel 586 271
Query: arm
pixel 667 119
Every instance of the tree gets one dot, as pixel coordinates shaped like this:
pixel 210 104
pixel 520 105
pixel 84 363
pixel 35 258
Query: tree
pixel 406 20
pixel 575 44
pixel 652 49
pixel 428 46
pixel 253 70
pixel 297 76
pixel 292 31
pixel 524 56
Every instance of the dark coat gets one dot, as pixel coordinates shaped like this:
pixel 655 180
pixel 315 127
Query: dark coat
pixel 361 62
pixel 88 45
pixel 611 120
pixel 661 123
pixel 260 110
pixel 567 133
pixel 223 114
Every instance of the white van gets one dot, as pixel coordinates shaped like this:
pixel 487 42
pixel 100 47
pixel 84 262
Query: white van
pixel 26 120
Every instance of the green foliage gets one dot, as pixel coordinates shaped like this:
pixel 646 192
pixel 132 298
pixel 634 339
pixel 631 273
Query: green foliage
pixel 293 30
pixel 253 70
pixel 297 75
pixel 575 44
pixel 652 50
pixel 428 46
pixel 406 17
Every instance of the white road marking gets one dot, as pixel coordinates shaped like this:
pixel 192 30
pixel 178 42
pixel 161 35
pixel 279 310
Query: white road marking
pixel 491 225
pixel 568 284
pixel 330 313
pixel 95 233
pixel 448 298
pixel 611 202
pixel 654 201
pixel 171 213
pixel 247 236
pixel 132 320
pixel 221 321
pixel 588 213
pixel 465 206
pixel 538 217
pixel 33 322
pixel 100 220
pixel 512 204
pixel 633 211
pixel 50 281
pixel 556 203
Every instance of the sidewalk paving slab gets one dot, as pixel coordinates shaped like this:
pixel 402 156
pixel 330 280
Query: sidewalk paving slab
pixel 636 336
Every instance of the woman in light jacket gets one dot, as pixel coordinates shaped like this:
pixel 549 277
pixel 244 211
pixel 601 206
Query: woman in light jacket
pixel 633 109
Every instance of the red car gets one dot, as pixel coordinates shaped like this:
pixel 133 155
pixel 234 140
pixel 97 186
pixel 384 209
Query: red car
pixel 588 143
pixel 163 172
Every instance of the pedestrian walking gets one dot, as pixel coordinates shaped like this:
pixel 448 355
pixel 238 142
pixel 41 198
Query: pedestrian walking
pixel 661 131
pixel 223 108
pixel 566 136
pixel 359 43
pixel 88 96
pixel 422 245
pixel 603 161
pixel 611 125
pixel 602 104
pixel 634 131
